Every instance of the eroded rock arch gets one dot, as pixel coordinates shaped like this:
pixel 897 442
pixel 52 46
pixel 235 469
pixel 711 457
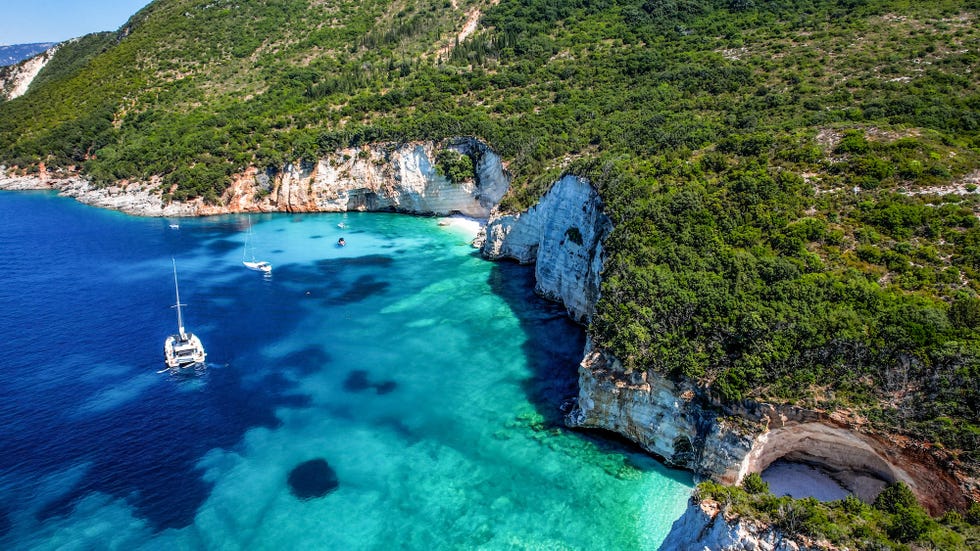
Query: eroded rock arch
pixel 848 456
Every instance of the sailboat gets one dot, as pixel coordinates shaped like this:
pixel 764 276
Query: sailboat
pixel 257 265
pixel 184 349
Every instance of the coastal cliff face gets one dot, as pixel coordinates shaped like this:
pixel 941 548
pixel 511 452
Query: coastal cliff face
pixel 665 418
pixel 703 527
pixel 16 79
pixel 678 422
pixel 562 235
pixel 379 177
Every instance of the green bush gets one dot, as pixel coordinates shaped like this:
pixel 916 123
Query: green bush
pixel 455 166
pixel 753 484
pixel 908 523
pixel 973 514
pixel 896 496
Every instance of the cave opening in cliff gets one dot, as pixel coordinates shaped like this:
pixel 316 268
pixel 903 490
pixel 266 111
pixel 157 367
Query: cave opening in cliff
pixel 821 461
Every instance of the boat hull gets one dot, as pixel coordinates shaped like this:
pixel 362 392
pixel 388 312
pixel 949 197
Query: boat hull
pixel 258 266
pixel 182 353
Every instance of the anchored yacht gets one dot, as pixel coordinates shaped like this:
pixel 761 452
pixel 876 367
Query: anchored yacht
pixel 183 350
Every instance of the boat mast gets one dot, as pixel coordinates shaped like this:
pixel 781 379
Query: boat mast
pixel 248 238
pixel 180 319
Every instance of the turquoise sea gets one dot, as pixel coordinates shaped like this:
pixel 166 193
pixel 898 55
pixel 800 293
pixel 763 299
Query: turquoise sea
pixel 428 379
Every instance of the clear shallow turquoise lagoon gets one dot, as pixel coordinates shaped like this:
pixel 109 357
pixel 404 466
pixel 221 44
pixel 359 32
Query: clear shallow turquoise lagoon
pixel 428 379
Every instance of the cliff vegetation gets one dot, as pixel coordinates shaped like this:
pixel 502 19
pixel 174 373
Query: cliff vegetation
pixel 893 522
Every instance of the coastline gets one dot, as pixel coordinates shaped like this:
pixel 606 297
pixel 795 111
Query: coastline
pixel 570 275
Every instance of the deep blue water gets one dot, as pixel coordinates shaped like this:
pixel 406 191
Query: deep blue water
pixel 426 377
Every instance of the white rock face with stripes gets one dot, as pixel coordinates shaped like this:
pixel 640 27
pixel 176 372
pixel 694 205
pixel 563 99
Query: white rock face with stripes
pixel 562 235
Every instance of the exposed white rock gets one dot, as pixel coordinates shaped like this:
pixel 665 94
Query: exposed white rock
pixel 141 199
pixel 16 79
pixel 23 183
pixel 380 177
pixel 663 417
pixel 138 199
pixel 677 422
pixel 834 449
pixel 562 235
pixel 397 177
pixel 703 527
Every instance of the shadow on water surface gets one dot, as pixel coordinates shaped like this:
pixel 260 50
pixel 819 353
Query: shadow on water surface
pixel 554 344
pixel 554 349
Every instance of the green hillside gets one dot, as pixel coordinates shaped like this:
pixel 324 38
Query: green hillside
pixel 794 182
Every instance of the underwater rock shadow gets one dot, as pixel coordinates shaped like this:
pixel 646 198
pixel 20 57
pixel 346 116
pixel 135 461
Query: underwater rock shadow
pixel 306 361
pixel 312 479
pixel 357 381
pixel 363 288
pixel 222 246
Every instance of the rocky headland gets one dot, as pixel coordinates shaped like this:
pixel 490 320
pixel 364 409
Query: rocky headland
pixel 704 526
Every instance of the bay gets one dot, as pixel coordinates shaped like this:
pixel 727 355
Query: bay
pixel 428 379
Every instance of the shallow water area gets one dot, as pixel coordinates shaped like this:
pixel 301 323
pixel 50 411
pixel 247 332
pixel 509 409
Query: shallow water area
pixel 428 379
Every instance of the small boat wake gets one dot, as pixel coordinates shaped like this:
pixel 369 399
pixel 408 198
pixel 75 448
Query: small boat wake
pixel 195 370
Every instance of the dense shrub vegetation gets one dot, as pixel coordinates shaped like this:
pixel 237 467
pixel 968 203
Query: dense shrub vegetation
pixel 894 522
pixel 455 166
pixel 780 172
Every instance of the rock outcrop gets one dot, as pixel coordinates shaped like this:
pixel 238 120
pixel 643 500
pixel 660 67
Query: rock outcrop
pixel 16 79
pixel 387 177
pixel 379 177
pixel 671 420
pixel 703 527
pixel 677 422
pixel 562 235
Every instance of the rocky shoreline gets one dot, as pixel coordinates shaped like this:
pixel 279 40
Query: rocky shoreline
pixel 380 177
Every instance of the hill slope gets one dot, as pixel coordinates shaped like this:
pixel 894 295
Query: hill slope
pixel 793 182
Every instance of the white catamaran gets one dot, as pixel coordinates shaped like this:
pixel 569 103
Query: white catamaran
pixel 257 265
pixel 183 350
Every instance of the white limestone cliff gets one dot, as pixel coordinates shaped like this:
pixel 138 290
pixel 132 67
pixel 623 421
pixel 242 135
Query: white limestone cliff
pixel 16 79
pixel 379 177
pixel 680 423
pixel 395 177
pixel 665 418
pixel 562 235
